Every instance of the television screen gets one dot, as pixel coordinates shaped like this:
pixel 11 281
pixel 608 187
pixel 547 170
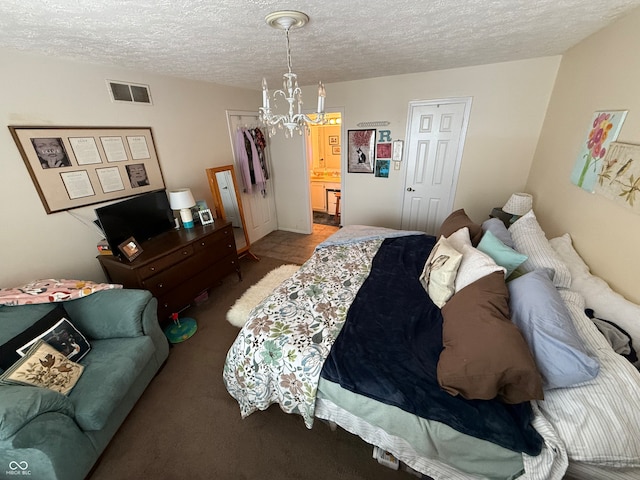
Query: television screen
pixel 142 217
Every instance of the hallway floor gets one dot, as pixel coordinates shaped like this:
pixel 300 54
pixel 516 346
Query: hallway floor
pixel 292 247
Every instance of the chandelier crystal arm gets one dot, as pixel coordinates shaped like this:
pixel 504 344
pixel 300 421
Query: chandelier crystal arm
pixel 291 92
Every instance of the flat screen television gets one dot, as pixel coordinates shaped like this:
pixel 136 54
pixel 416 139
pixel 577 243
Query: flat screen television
pixel 142 217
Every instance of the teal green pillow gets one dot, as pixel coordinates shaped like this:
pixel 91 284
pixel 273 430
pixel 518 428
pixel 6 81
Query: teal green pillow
pixel 503 255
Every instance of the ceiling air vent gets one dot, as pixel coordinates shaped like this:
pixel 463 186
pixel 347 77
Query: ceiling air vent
pixel 129 92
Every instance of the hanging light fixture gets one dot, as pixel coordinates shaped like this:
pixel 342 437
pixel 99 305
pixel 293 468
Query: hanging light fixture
pixel 287 20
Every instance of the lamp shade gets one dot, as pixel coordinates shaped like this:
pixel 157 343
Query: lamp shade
pixel 518 204
pixel 181 198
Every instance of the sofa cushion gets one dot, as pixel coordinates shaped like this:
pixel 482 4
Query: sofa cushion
pixel 56 329
pixel 44 366
pixel 15 320
pixel 20 404
pixel 111 368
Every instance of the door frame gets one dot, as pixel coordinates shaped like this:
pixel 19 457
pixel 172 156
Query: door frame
pixel 461 142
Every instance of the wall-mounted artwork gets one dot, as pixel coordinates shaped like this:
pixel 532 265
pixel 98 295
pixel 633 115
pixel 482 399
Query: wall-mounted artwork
pixel 619 178
pixel 361 150
pixel 73 167
pixel 382 168
pixel 604 129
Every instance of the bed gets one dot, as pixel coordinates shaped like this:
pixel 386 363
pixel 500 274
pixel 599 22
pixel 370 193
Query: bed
pixel 375 334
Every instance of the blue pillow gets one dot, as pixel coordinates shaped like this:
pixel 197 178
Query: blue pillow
pixel 545 322
pixel 498 228
pixel 503 255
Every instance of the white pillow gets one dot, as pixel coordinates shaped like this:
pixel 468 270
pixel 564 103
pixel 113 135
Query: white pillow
pixel 599 420
pixel 529 238
pixel 474 266
pixel 598 295
pixel 439 272
pixel 460 238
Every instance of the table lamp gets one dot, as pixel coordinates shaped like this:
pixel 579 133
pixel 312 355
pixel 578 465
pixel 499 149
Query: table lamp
pixel 182 199
pixel 518 204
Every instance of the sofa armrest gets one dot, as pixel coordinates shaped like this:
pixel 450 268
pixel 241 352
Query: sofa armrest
pixel 110 313
pixel 21 404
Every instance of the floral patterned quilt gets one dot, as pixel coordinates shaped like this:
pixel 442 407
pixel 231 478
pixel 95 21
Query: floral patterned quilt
pixel 279 353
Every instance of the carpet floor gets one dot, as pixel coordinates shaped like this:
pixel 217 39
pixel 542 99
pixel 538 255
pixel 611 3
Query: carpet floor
pixel 186 425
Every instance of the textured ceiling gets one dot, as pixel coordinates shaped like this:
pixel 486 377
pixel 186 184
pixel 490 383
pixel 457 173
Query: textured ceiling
pixel 228 42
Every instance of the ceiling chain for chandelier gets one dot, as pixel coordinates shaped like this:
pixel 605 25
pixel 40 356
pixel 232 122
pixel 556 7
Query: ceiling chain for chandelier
pixel 294 119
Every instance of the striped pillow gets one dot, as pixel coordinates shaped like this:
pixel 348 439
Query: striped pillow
pixel 529 239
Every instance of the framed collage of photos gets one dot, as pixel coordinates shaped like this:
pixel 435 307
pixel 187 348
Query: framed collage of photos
pixel 73 167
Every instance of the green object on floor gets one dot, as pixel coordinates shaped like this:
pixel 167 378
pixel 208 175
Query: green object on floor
pixel 181 329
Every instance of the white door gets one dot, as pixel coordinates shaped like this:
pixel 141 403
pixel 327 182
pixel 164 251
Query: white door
pixel 259 210
pixel 435 139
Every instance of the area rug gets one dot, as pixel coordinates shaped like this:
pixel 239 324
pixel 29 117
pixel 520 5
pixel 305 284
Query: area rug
pixel 239 312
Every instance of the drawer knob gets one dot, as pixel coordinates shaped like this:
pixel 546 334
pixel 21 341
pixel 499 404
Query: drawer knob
pixel 185 253
pixel 229 246
pixel 160 285
pixel 203 243
pixel 153 269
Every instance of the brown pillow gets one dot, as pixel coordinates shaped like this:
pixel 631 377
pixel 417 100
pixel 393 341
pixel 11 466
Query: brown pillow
pixel 458 220
pixel 484 354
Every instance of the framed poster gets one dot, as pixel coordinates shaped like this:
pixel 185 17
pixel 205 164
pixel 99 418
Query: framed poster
pixel 73 167
pixel 361 145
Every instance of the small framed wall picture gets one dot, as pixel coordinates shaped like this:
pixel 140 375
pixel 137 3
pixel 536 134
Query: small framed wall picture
pixel 333 140
pixel 206 218
pixel 130 248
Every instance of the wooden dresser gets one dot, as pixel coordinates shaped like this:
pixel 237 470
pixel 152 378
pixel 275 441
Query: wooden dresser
pixel 177 266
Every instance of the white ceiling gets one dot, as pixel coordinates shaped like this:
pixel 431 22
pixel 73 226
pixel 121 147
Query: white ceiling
pixel 228 41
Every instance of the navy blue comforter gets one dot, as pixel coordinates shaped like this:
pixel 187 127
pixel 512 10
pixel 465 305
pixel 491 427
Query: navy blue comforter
pixel 388 350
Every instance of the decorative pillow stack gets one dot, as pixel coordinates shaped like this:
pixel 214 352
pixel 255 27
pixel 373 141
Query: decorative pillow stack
pixel 484 353
pixel 45 354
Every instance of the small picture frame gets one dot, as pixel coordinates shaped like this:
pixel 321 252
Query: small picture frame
pixel 335 150
pixel 130 248
pixel 333 140
pixel 206 218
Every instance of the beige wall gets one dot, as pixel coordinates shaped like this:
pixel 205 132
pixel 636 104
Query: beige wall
pixel 600 73
pixel 508 108
pixel 190 129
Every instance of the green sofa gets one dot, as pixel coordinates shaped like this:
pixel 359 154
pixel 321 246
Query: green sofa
pixel 46 435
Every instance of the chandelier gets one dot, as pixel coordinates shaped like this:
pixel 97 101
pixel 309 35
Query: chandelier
pixel 294 119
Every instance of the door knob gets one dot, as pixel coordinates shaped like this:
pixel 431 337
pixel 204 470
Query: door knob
pixel 409 189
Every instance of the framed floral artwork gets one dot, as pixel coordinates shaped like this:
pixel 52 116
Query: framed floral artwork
pixel 604 129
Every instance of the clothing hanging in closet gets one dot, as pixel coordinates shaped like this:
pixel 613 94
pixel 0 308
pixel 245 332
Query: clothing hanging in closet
pixel 251 159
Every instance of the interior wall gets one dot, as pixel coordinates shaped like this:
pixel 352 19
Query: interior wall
pixel 189 125
pixel 509 105
pixel 600 73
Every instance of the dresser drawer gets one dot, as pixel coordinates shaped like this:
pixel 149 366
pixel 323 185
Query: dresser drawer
pixel 182 295
pixel 215 240
pixel 167 261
